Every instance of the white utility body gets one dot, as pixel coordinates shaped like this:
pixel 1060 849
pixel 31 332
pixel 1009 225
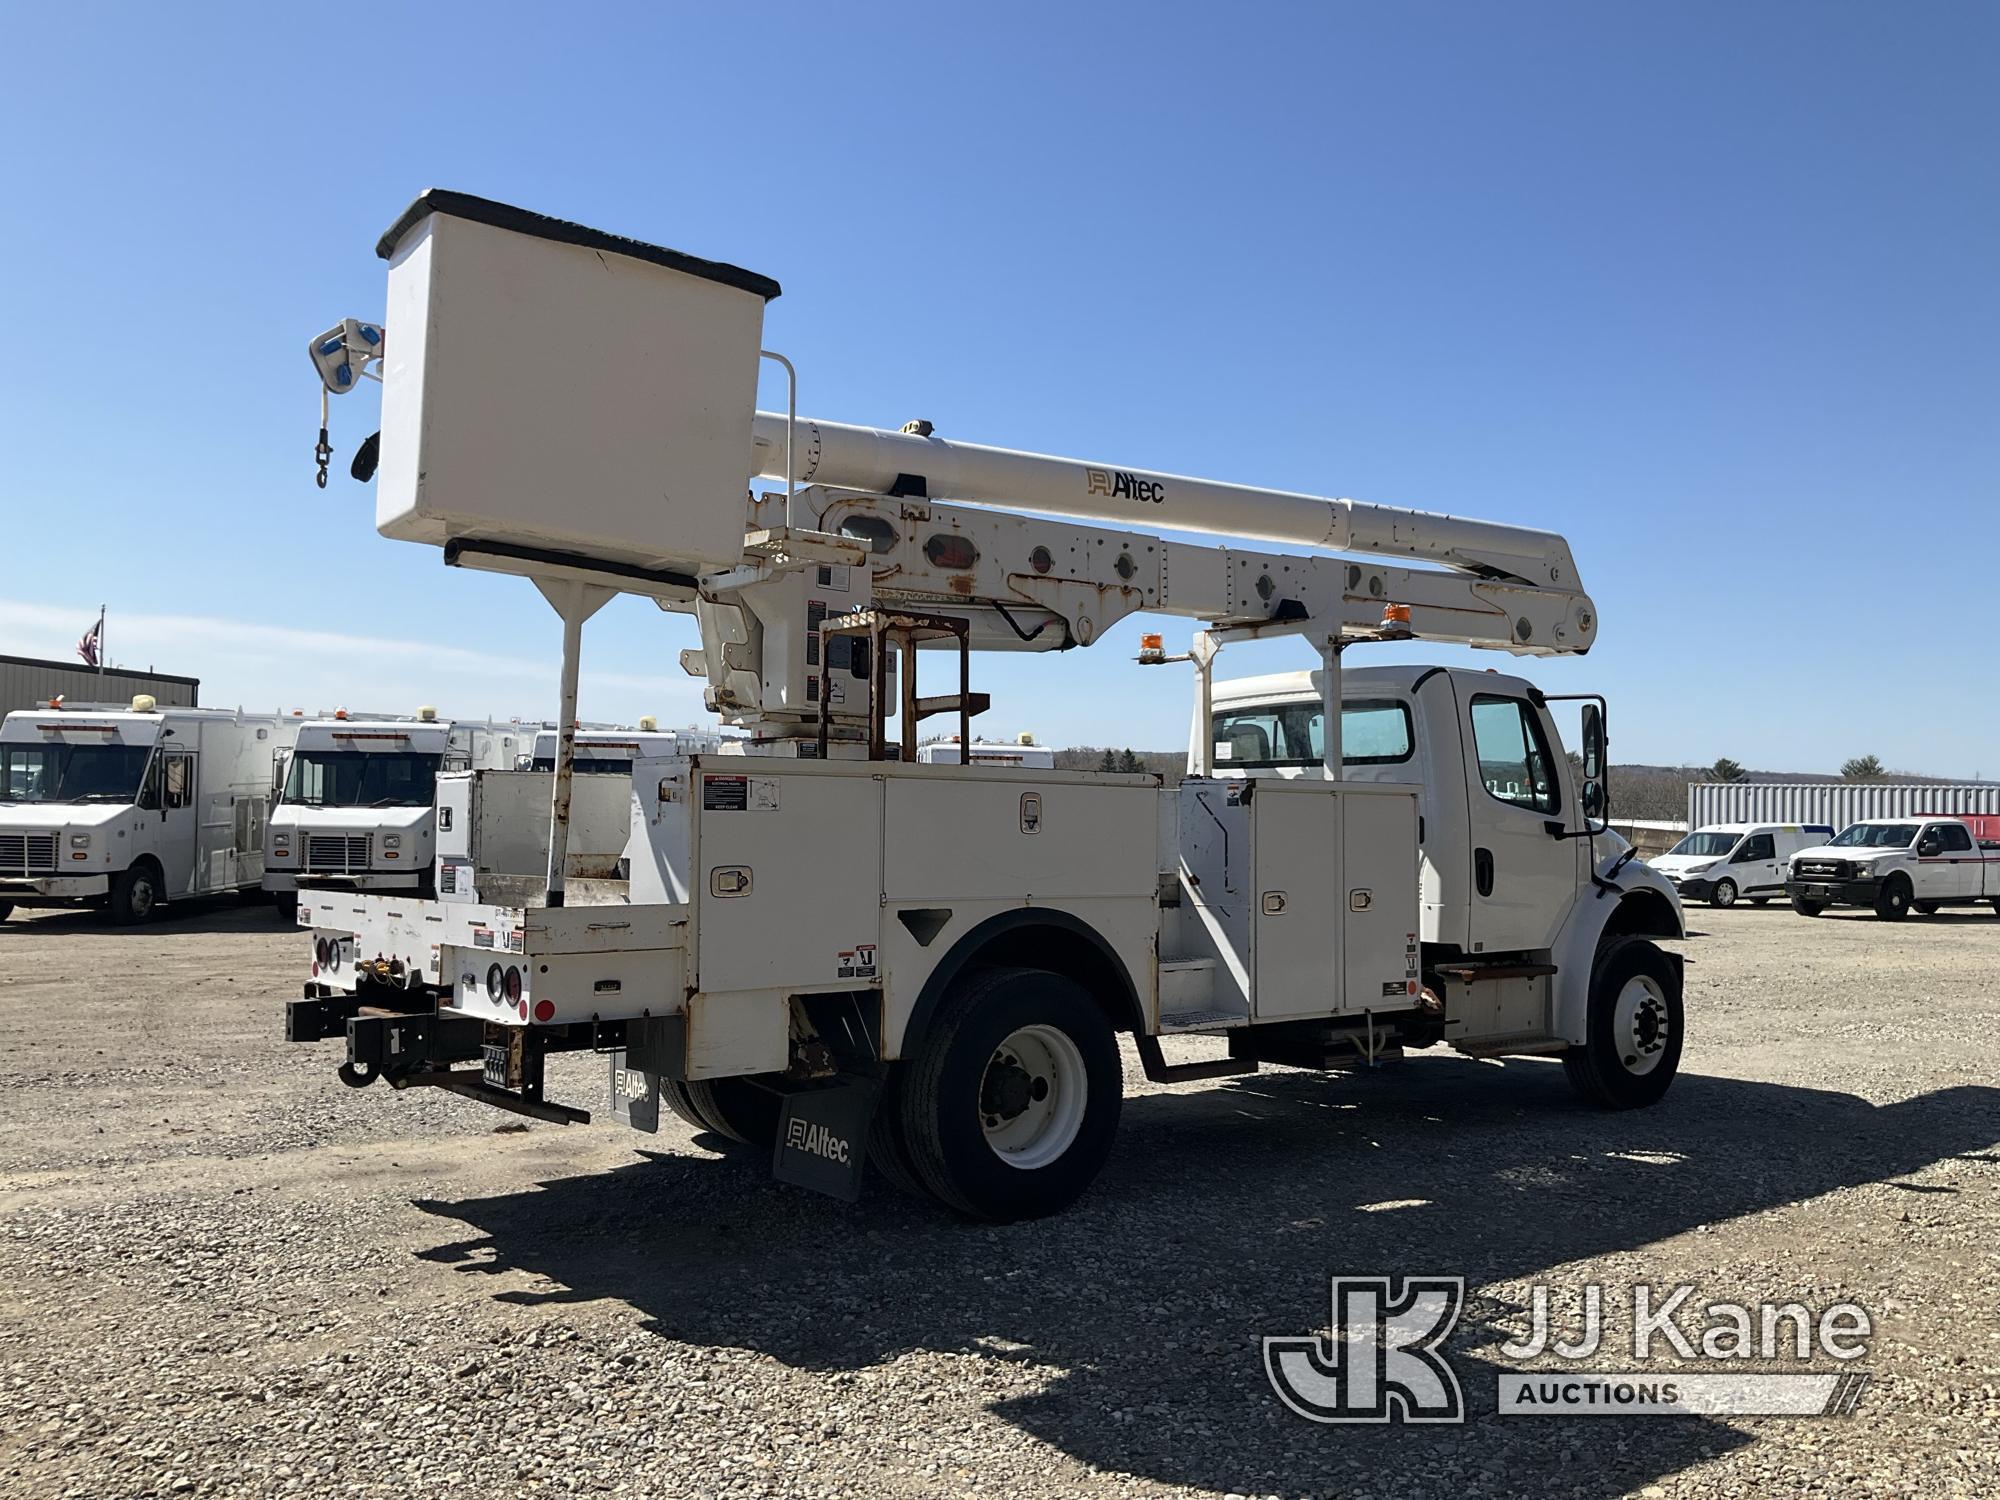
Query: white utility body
pixel 356 813
pixel 1896 866
pixel 816 942
pixel 129 806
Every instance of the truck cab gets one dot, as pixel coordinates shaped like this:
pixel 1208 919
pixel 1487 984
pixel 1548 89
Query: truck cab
pixel 1725 861
pixel 1500 859
pixel 356 809
pixel 1896 866
pixel 129 807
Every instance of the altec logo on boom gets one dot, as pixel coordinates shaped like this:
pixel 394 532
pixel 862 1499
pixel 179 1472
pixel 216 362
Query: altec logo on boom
pixel 1119 485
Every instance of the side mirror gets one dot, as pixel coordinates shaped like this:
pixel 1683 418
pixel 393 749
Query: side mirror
pixel 1596 793
pixel 1929 848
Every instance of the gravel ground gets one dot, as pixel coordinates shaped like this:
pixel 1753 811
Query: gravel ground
pixel 221 1273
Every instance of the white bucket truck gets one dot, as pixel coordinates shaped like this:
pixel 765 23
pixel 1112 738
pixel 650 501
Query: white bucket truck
pixel 827 948
pixel 355 813
pixel 129 807
pixel 610 748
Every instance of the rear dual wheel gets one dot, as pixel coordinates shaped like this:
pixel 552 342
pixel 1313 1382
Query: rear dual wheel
pixel 734 1108
pixel 1009 1107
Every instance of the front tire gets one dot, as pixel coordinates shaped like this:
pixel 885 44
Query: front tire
pixel 1011 1103
pixel 1635 1026
pixel 7 909
pixel 1807 908
pixel 1893 902
pixel 135 895
pixel 1724 894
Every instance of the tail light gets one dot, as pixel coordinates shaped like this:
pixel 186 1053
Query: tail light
pixel 545 1010
pixel 513 982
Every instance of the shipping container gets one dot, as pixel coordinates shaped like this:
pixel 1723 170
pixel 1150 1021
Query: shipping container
pixel 1837 803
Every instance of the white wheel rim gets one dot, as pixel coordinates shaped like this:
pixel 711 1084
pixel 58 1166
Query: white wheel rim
pixel 1725 893
pixel 1032 1097
pixel 142 896
pixel 1641 1025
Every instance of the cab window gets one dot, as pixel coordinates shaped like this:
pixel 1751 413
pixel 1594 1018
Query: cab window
pixel 1952 839
pixel 1757 846
pixel 1514 759
pixel 179 780
pixel 1262 736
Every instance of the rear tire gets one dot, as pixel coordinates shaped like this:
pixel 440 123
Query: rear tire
pixel 1893 902
pixel 1807 908
pixel 738 1109
pixel 1636 1022
pixel 1926 908
pixel 675 1093
pixel 7 909
pixel 135 895
pixel 1011 1103
pixel 889 1144
pixel 1724 894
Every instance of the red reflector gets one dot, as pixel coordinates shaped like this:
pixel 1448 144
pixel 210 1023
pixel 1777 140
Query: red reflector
pixel 524 1010
pixel 544 1010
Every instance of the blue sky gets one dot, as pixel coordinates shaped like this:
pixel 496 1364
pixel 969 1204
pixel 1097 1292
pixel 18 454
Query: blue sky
pixel 1708 288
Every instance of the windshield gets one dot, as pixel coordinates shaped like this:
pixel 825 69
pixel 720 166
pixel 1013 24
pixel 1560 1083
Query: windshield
pixel 622 766
pixel 361 778
pixel 1706 845
pixel 1260 736
pixel 1877 836
pixel 71 773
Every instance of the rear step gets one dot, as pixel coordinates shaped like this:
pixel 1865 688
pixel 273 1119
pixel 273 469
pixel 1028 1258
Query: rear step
pixel 1159 1070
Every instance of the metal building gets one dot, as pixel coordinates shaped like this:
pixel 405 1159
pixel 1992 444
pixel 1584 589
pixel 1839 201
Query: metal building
pixel 1836 802
pixel 27 680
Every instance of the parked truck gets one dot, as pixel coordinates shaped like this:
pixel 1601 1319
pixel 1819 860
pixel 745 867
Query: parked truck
pixel 822 946
pixel 1896 866
pixel 130 806
pixel 355 810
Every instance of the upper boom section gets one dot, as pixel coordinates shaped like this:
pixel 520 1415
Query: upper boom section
pixel 906 463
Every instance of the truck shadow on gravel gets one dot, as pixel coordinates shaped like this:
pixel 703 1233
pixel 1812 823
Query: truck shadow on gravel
pixel 1137 1317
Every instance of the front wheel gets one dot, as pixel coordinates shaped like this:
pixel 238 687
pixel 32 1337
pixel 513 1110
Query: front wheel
pixel 1807 908
pixel 1011 1103
pixel 1635 1026
pixel 1724 894
pixel 135 895
pixel 1893 904
pixel 7 909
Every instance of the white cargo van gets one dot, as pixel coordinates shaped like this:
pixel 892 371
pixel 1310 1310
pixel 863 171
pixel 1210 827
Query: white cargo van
pixel 129 807
pixel 356 814
pixel 1725 861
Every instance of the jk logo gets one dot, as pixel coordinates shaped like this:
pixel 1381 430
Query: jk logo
pixel 1382 1363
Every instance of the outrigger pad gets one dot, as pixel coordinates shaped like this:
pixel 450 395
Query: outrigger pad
pixel 823 1136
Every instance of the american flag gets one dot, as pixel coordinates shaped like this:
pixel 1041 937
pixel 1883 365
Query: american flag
pixel 92 639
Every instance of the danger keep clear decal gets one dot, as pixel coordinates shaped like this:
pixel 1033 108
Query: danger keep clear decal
pixel 739 794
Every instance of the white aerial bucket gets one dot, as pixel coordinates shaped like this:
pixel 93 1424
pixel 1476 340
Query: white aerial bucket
pixel 557 388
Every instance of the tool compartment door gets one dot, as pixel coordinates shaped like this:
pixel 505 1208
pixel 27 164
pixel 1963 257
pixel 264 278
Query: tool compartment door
pixel 1336 896
pixel 787 876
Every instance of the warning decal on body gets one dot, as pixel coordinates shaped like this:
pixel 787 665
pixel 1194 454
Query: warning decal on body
pixel 857 962
pixel 739 793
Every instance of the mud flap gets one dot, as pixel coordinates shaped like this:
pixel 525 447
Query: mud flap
pixel 635 1094
pixel 823 1136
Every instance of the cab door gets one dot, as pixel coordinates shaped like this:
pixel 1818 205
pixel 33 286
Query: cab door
pixel 179 813
pixel 1524 865
pixel 1954 871
pixel 1754 865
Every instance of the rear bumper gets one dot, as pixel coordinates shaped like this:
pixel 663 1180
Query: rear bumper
pixel 53 890
pixel 1835 892
pixel 359 880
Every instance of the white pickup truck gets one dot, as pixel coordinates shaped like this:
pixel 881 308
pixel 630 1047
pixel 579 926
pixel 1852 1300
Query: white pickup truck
pixel 1894 864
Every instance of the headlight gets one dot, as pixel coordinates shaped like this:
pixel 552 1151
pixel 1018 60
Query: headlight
pixel 79 841
pixel 392 841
